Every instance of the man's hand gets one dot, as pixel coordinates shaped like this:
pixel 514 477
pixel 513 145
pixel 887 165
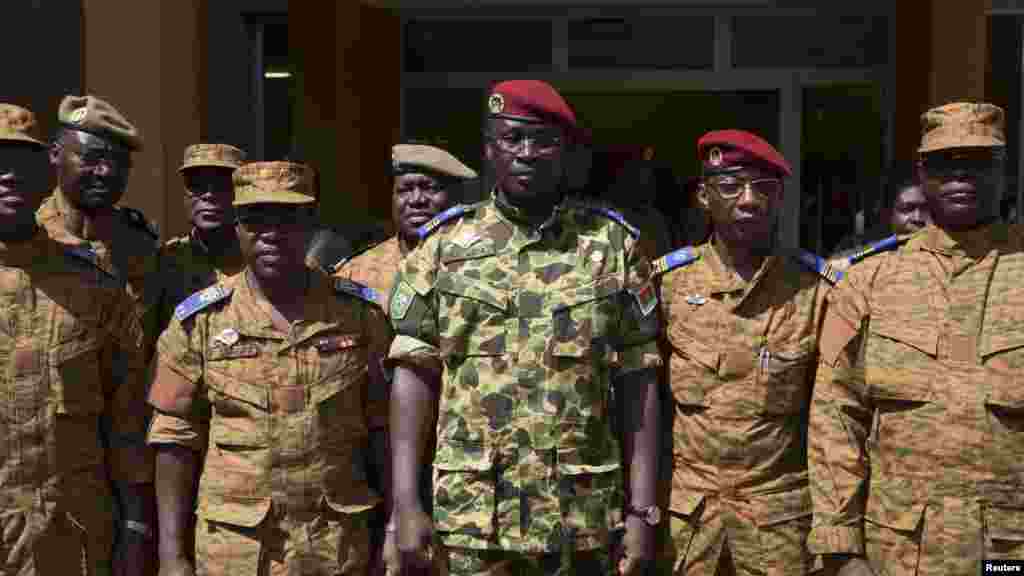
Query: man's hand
pixel 133 554
pixel 855 566
pixel 389 555
pixel 178 567
pixel 415 534
pixel 637 547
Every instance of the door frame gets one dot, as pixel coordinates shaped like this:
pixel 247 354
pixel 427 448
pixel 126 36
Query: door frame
pixel 789 83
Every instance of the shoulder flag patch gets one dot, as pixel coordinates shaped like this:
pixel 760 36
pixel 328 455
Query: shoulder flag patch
pixel 200 300
pixel 817 264
pixel 449 214
pixel 361 291
pixel 616 216
pixel 675 259
pixel 646 298
pixel 883 245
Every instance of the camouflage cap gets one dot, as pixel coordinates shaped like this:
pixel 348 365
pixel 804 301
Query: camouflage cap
pixel 216 155
pixel 273 183
pixel 962 125
pixel 415 157
pixel 18 124
pixel 96 116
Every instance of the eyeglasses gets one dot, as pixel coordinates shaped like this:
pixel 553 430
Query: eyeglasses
pixel 731 188
pixel 514 141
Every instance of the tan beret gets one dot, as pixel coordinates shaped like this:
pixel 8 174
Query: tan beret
pixel 962 125
pixel 216 155
pixel 414 157
pixel 18 124
pixel 90 114
pixel 273 183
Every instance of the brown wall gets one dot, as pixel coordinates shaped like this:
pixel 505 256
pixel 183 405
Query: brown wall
pixel 152 72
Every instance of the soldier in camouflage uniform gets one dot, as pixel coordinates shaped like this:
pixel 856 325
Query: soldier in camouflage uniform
pixel 519 316
pixel 741 335
pixel 92 156
pixel 269 369
pixel 917 419
pixel 73 436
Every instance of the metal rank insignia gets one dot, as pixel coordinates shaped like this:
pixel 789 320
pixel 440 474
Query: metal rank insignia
pixel 496 103
pixel 229 337
pixel 696 300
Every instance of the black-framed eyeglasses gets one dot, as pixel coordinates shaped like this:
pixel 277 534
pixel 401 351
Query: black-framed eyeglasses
pixel 731 188
pixel 542 142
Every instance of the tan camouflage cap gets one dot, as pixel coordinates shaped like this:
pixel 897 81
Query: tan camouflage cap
pixel 962 125
pixel 217 155
pixel 18 124
pixel 415 157
pixel 273 183
pixel 90 114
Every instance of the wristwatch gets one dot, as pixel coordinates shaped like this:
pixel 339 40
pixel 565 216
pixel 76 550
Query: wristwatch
pixel 651 515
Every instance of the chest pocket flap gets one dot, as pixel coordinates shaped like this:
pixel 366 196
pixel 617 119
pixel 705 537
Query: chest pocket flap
pixel 583 318
pixel 471 317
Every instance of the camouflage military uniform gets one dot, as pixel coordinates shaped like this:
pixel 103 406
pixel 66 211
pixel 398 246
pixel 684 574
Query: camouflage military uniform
pixel 741 361
pixel 531 327
pixel 68 427
pixel 185 266
pixel 283 490
pixel 918 412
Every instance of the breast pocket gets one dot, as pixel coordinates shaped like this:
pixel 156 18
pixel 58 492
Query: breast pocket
pixel 76 381
pixel 693 367
pixel 338 394
pixel 241 404
pixel 900 357
pixel 783 377
pixel 471 317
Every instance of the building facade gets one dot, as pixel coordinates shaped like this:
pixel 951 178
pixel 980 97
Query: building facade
pixel 837 86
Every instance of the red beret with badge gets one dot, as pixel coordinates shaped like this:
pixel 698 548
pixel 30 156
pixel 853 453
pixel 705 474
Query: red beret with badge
pixel 530 101
pixel 724 151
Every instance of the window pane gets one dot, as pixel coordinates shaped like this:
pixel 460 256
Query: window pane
pixel 642 43
pixel 809 41
pixel 478 46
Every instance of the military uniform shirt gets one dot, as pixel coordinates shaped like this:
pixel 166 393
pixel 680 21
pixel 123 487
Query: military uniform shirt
pixel 741 358
pixel 917 421
pixel 68 427
pixel 531 327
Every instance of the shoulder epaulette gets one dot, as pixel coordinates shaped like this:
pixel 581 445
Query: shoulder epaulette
pixel 616 216
pixel 681 257
pixel 138 220
pixel 87 255
pixel 819 265
pixel 352 288
pixel 449 214
pixel 883 245
pixel 200 300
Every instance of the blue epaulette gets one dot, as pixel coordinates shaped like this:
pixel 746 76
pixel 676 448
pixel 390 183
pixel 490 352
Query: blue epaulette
pixel 346 286
pixel 616 216
pixel 200 300
pixel 674 259
pixel 87 255
pixel 883 245
pixel 449 214
pixel 819 265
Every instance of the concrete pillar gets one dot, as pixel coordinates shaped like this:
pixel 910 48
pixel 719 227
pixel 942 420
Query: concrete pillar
pixel 148 60
pixel 347 103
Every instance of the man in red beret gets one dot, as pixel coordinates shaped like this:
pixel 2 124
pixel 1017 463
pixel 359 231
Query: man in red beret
pixel 739 340
pixel 538 315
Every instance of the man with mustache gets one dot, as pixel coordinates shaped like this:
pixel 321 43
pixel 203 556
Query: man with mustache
pixel 523 322
pixel 740 338
pixel 73 434
pixel 917 418
pixel 92 155
pixel 268 370
pixel 424 180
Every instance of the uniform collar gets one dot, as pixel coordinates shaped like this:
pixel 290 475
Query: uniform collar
pixel 725 279
pixel 316 315
pixel 974 243
pixel 73 220
pixel 515 215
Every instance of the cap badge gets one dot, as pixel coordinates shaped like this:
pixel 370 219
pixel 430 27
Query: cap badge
pixel 715 157
pixel 77 116
pixel 496 103
pixel 290 177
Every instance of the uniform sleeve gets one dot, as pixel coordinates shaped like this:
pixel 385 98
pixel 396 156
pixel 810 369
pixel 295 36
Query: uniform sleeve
pixel 840 417
pixel 413 308
pixel 176 386
pixel 379 338
pixel 638 330
pixel 125 410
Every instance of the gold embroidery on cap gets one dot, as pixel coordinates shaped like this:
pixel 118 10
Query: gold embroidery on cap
pixel 715 157
pixel 496 103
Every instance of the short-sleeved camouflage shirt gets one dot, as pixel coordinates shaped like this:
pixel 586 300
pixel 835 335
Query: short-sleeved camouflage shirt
pixel 531 326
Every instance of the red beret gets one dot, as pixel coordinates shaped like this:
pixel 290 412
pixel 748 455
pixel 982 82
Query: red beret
pixel 531 101
pixel 727 150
